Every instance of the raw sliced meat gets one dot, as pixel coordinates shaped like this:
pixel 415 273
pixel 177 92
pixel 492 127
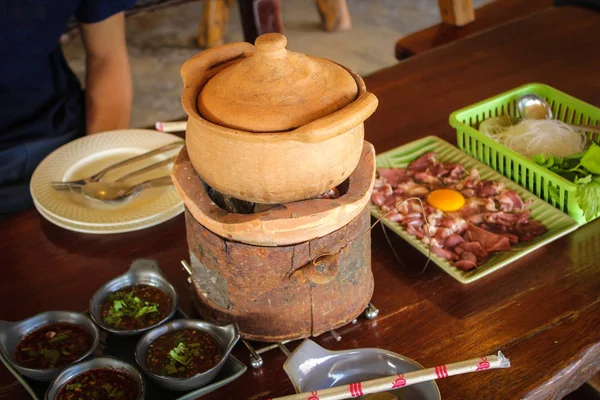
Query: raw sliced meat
pixel 503 230
pixel 454 223
pixel 455 173
pixel 411 188
pixel 394 176
pixel 395 216
pixel 471 247
pixel 442 233
pixel 411 207
pixel 444 253
pixel 505 218
pixel 513 239
pixel 530 230
pixel 453 240
pixel 510 201
pixel 471 181
pixel 426 177
pixel 489 241
pixel 427 160
pixel 491 219
pixel 416 231
pixel 378 198
pixel 489 188
pixel 468 192
pixel 467 264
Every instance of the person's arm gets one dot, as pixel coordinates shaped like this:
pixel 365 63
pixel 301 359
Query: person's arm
pixel 108 88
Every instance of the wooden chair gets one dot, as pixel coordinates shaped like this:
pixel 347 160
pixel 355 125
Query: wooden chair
pixel 258 17
pixel 262 16
pixel 460 21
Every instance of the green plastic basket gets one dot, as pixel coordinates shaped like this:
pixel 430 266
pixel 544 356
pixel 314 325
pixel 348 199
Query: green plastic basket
pixel 547 185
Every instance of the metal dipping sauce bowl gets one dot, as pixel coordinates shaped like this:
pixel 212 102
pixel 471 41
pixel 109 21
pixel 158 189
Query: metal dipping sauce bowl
pixel 11 333
pixel 141 272
pixel 95 363
pixel 226 337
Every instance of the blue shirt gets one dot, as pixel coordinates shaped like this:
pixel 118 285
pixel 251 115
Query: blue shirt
pixel 39 94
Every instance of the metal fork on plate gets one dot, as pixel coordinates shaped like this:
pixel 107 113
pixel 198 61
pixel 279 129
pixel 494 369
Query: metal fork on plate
pixel 99 175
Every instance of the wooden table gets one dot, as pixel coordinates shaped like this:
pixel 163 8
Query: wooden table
pixel 543 311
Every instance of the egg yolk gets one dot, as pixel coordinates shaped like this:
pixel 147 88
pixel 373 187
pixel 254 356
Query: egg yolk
pixel 446 199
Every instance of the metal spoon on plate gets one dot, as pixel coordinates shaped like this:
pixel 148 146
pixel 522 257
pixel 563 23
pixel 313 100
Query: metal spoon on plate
pixel 531 106
pixel 118 192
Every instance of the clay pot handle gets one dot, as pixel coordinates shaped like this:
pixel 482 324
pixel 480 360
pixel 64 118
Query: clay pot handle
pixel 196 71
pixel 319 271
pixel 339 122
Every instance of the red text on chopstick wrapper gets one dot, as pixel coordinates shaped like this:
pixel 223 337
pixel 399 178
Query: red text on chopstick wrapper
pixel 313 395
pixel 441 371
pixel 399 382
pixel 484 364
pixel 356 389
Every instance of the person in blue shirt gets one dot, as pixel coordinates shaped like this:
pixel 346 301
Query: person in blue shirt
pixel 42 105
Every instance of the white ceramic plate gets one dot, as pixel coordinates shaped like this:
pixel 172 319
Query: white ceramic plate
pixel 90 154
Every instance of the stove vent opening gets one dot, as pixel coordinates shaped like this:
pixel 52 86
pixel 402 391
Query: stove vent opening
pixel 237 206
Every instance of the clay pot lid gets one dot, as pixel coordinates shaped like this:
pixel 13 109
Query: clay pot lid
pixel 275 90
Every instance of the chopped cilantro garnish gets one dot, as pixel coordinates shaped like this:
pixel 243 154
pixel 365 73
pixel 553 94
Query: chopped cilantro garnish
pixel 147 310
pixel 171 368
pixel 113 392
pixel 50 355
pixel 118 305
pixel 127 305
pixel 59 337
pixel 74 386
pixel 180 354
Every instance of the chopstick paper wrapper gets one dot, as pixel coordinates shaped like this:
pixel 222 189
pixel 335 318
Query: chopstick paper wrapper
pixel 179 126
pixel 397 381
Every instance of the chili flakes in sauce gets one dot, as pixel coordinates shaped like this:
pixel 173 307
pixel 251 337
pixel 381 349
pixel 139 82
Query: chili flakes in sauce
pixel 183 353
pixel 52 346
pixel 100 384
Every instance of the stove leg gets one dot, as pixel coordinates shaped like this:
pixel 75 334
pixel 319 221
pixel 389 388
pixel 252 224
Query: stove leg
pixel 371 312
pixel 284 349
pixel 256 361
pixel 336 335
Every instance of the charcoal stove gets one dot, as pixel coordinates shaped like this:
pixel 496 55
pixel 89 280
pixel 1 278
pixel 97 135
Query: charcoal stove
pixel 269 131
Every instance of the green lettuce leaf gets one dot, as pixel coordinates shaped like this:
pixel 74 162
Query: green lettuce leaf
pixel 591 159
pixel 583 169
pixel 588 196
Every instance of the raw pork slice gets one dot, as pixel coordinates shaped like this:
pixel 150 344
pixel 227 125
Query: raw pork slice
pixel 489 241
pixel 426 161
pixel 394 176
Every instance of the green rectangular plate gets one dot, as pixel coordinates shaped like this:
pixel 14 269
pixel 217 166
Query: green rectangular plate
pixel 558 223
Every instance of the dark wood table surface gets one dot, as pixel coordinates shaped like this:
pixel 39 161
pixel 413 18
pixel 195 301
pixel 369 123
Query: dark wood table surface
pixel 543 311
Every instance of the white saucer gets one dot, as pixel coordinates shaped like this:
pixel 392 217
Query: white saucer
pixel 88 155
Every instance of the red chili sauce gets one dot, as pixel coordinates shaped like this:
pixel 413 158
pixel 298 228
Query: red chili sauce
pixel 135 307
pixel 182 354
pixel 100 384
pixel 52 346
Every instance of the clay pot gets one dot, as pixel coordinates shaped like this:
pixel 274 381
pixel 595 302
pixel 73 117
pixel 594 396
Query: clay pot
pixel 271 126
pixel 282 225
